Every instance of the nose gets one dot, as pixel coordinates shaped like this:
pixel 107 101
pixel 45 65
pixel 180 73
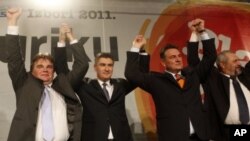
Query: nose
pixel 178 59
pixel 106 68
pixel 45 69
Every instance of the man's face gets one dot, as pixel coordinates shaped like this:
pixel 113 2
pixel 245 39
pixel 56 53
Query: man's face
pixel 104 68
pixel 173 60
pixel 43 70
pixel 232 65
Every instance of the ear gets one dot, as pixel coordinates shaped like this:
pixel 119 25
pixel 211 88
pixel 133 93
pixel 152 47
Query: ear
pixel 163 64
pixel 222 65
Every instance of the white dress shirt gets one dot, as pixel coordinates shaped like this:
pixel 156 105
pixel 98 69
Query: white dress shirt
pixel 233 112
pixel 59 109
pixel 110 89
pixel 59 113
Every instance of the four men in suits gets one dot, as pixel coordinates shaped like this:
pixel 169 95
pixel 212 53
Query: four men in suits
pixel 180 115
pixel 46 107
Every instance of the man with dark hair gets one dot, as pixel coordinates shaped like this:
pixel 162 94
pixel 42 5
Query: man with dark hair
pixel 180 116
pixel 103 100
pixel 47 108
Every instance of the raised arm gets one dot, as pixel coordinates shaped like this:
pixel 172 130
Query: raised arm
pixel 61 65
pixel 16 66
pixel 133 72
pixel 80 64
pixel 192 46
pixel 144 61
pixel 205 66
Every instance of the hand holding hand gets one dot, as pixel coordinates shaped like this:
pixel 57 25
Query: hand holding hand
pixel 197 25
pixel 65 33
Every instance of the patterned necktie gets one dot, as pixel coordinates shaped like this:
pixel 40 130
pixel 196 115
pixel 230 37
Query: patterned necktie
pixel 106 91
pixel 47 119
pixel 180 80
pixel 242 103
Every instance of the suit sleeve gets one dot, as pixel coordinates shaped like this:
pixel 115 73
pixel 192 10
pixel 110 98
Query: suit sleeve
pixel 16 66
pixel 3 54
pixel 144 63
pixel 133 72
pixel 192 54
pixel 61 65
pixel 247 68
pixel 80 64
pixel 246 72
pixel 209 56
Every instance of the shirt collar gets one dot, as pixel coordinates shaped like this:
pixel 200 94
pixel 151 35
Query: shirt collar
pixel 101 82
pixel 226 75
pixel 173 74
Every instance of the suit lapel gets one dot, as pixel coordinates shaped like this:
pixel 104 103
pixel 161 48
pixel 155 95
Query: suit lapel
pixel 99 92
pixel 244 81
pixel 225 81
pixel 171 78
pixel 115 89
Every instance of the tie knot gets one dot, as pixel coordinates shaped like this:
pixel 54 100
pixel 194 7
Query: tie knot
pixel 178 76
pixel 233 77
pixel 104 84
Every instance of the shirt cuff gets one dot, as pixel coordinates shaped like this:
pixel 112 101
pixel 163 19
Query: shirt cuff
pixel 13 30
pixel 204 36
pixel 135 49
pixel 194 37
pixel 143 53
pixel 74 41
pixel 59 44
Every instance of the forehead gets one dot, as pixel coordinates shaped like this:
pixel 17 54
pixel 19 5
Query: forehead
pixel 172 51
pixel 105 60
pixel 231 56
pixel 43 61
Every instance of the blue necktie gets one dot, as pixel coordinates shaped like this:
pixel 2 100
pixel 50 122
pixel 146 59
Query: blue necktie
pixel 47 118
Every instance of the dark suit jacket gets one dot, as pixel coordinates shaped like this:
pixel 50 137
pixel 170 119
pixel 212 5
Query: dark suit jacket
pixel 3 55
pixel 98 113
pixel 216 88
pixel 219 91
pixel 29 89
pixel 193 60
pixel 175 106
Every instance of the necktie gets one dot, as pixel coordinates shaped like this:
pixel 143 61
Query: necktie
pixel 47 119
pixel 242 103
pixel 106 91
pixel 180 80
